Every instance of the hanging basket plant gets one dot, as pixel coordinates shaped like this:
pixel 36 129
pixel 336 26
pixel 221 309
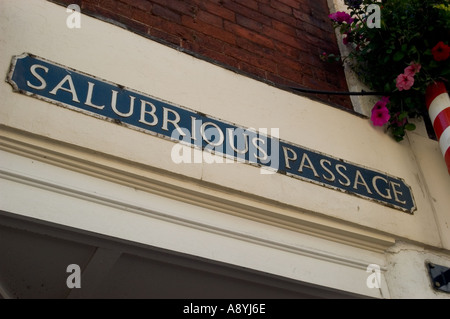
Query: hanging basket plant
pixel 399 47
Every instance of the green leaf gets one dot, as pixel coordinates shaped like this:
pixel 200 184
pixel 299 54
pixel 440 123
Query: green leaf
pixel 387 87
pixel 402 115
pixel 433 64
pixel 410 127
pixel 398 131
pixel 412 50
pixel 398 56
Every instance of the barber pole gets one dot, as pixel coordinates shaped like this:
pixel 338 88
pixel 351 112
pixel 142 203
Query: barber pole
pixel 438 105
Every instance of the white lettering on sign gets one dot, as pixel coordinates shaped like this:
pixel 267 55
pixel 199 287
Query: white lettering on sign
pixel 72 89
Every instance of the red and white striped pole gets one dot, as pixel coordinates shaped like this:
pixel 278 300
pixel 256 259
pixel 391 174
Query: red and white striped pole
pixel 438 105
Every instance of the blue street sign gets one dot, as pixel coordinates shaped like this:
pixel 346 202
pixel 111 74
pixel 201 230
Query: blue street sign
pixel 63 86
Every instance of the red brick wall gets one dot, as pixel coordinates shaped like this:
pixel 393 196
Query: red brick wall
pixel 272 40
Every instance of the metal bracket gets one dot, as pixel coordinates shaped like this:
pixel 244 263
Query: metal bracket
pixel 440 277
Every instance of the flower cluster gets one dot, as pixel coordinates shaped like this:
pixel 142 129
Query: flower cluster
pixel 408 50
pixel 380 113
pixel 406 80
pixel 341 17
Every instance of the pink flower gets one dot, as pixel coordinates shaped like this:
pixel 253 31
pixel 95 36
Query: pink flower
pixel 412 69
pixel 347 37
pixel 404 82
pixel 345 40
pixel 385 100
pixel 333 16
pixel 340 17
pixel 380 115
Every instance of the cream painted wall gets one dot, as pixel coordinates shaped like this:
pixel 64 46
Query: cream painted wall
pixel 109 52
